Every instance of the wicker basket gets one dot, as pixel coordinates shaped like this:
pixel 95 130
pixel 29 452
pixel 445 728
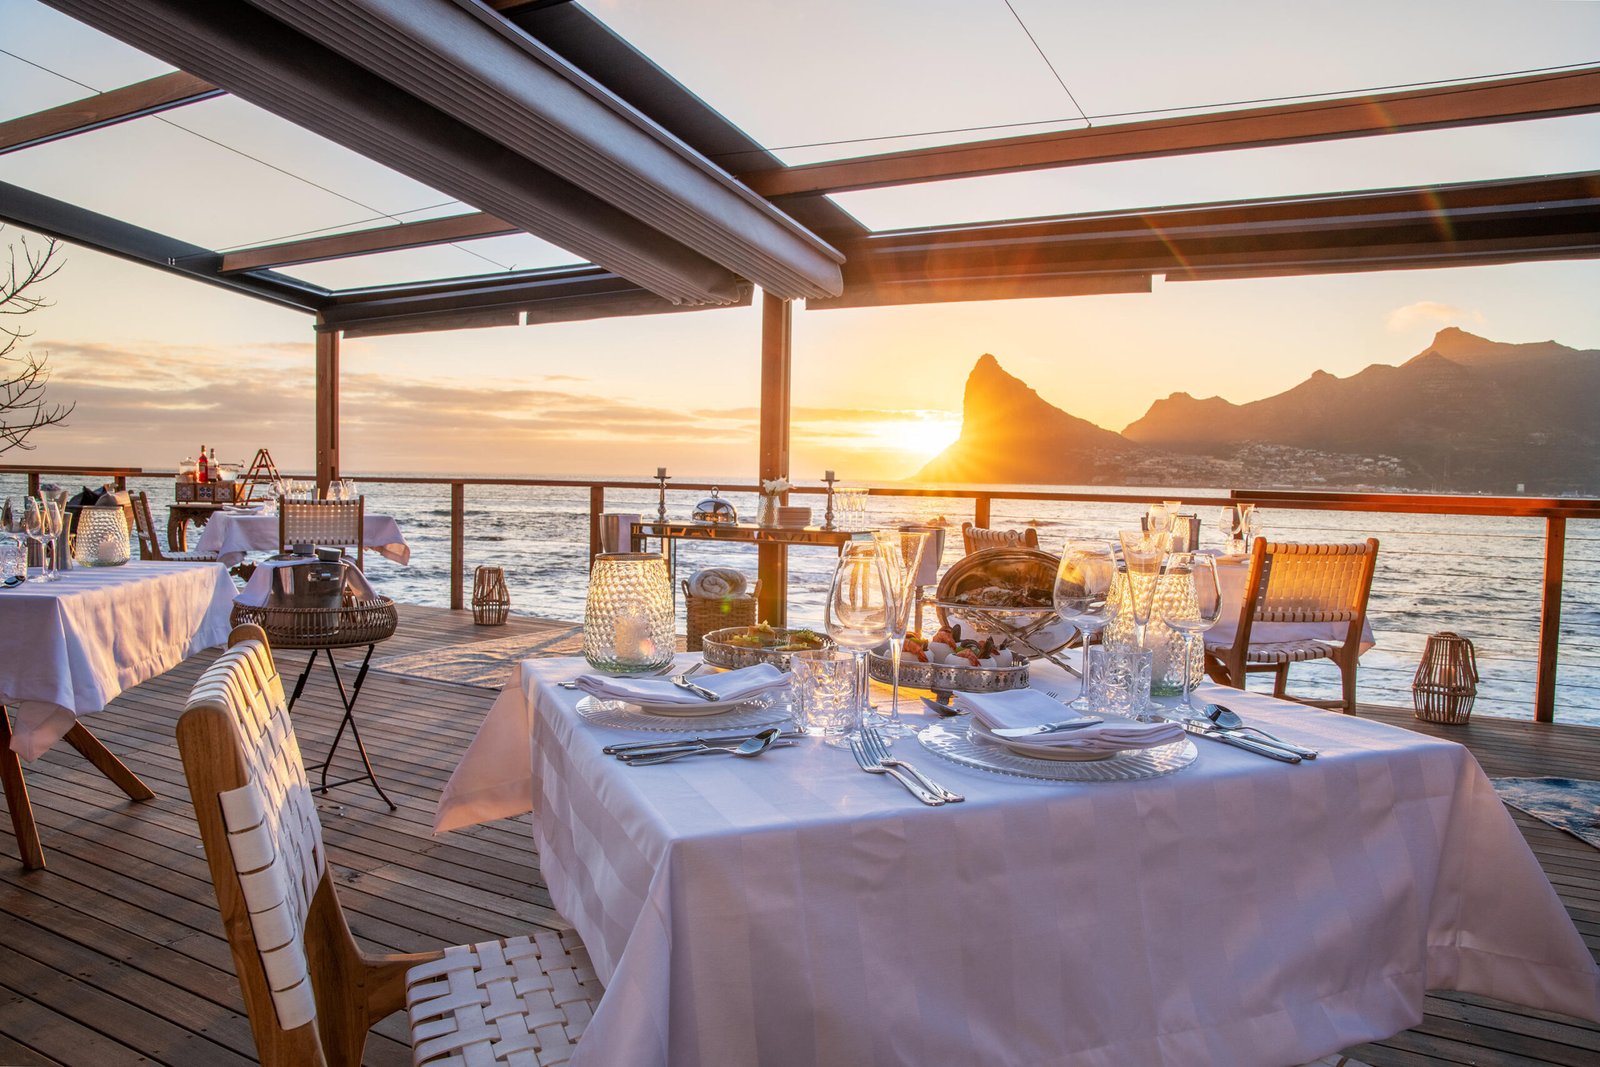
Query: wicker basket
pixel 358 622
pixel 704 614
pixel 1446 683
pixel 491 600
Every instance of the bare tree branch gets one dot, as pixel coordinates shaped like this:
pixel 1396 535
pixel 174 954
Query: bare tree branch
pixel 24 376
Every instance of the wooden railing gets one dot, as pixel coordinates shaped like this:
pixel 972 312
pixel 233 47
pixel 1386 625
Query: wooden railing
pixel 1555 511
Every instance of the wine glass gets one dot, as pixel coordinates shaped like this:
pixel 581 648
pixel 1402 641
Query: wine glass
pixel 1082 596
pixel 54 526
pixel 33 527
pixel 1198 570
pixel 1142 551
pixel 1231 528
pixel 900 557
pixel 857 612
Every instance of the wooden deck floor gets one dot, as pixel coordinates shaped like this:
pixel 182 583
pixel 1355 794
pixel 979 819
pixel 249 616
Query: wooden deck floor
pixel 114 955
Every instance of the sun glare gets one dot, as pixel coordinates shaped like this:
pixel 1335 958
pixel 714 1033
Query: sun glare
pixel 922 435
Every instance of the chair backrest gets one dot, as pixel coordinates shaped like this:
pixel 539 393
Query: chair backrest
pixel 263 842
pixel 149 543
pixel 323 522
pixel 1308 583
pixel 978 538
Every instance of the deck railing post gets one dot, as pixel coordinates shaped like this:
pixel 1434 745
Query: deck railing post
pixel 33 483
pixel 458 542
pixel 597 504
pixel 1555 559
pixel 777 338
pixel 980 510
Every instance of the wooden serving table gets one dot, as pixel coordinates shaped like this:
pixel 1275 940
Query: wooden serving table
pixel 773 600
pixel 180 515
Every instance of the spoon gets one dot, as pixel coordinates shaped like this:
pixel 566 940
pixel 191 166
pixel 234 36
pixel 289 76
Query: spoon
pixel 757 744
pixel 1229 720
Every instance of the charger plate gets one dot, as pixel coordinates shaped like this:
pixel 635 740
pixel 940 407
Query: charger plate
pixel 763 710
pixel 954 742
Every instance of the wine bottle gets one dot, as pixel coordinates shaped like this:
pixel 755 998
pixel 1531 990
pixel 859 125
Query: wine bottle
pixel 200 471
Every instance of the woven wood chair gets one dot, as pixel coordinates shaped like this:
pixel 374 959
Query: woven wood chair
pixel 323 522
pixel 1300 584
pixel 311 993
pixel 150 539
pixel 978 538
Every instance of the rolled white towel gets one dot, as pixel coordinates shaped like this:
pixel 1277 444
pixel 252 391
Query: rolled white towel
pixel 716 583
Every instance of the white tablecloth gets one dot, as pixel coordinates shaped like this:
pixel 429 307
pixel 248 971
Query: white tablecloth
pixel 792 910
pixel 232 536
pixel 1232 574
pixel 68 648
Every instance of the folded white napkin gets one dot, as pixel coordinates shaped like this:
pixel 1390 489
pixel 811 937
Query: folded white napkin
pixel 741 684
pixel 259 587
pixel 714 583
pixel 1021 708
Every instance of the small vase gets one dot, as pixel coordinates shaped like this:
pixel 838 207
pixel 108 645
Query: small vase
pixel 767 513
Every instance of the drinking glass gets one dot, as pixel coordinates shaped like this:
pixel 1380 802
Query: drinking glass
pixel 1231 528
pixel 1082 597
pixel 857 612
pixel 54 527
pixel 825 682
pixel 900 557
pixel 1142 551
pixel 1199 571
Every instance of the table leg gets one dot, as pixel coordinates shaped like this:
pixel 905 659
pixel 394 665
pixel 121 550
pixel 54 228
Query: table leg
pixel 17 802
pixel 177 531
pixel 95 751
pixel 349 719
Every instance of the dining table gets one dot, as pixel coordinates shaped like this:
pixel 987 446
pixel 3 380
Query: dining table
pixel 233 534
pixel 791 910
pixel 70 647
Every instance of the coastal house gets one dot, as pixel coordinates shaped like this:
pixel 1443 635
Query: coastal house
pixel 535 120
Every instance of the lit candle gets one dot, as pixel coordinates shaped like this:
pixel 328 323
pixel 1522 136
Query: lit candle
pixel 631 638
pixel 661 472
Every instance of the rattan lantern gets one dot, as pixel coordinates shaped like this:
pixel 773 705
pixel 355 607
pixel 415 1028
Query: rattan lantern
pixel 491 600
pixel 1447 679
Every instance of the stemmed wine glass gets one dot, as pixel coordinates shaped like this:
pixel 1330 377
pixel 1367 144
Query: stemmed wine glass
pixel 1082 596
pixel 900 557
pixel 1142 552
pixel 33 527
pixel 857 613
pixel 1199 571
pixel 54 526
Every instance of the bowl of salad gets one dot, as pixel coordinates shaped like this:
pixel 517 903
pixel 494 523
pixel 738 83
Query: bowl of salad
pixel 745 646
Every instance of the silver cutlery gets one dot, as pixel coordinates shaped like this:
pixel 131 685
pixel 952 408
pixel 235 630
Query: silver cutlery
pixel 947 710
pixel 1013 732
pixel 682 682
pixel 684 742
pixel 1204 728
pixel 665 670
pixel 629 757
pixel 1229 720
pixel 755 746
pixel 911 784
pixel 878 749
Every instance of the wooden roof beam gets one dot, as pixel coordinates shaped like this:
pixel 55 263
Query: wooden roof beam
pixel 104 109
pixel 1476 103
pixel 365 242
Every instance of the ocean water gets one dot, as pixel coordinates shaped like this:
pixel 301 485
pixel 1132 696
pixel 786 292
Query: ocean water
pixel 1480 577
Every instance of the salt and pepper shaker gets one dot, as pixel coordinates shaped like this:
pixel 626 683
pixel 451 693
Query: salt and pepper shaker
pixel 828 477
pixel 661 506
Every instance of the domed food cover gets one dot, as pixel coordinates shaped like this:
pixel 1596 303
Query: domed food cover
pixel 1011 587
pixel 715 511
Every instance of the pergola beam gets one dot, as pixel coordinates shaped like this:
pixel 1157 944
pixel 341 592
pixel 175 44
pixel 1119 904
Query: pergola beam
pixel 104 109
pixel 1477 103
pixel 1447 225
pixel 364 242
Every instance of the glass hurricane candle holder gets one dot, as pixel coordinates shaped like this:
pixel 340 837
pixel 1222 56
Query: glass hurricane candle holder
pixel 101 539
pixel 628 621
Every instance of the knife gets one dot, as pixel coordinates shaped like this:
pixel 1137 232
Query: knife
pixel 1014 732
pixel 696 746
pixel 683 742
pixel 1260 748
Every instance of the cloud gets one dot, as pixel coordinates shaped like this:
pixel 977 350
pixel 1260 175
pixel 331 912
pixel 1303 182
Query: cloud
pixel 1430 313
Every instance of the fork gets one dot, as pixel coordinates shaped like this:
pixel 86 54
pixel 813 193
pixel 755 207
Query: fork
pixel 873 767
pixel 872 741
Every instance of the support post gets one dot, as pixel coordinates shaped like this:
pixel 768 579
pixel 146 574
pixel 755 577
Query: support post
pixel 772 561
pixel 1555 558
pixel 327 406
pixel 980 511
pixel 458 543
pixel 597 504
